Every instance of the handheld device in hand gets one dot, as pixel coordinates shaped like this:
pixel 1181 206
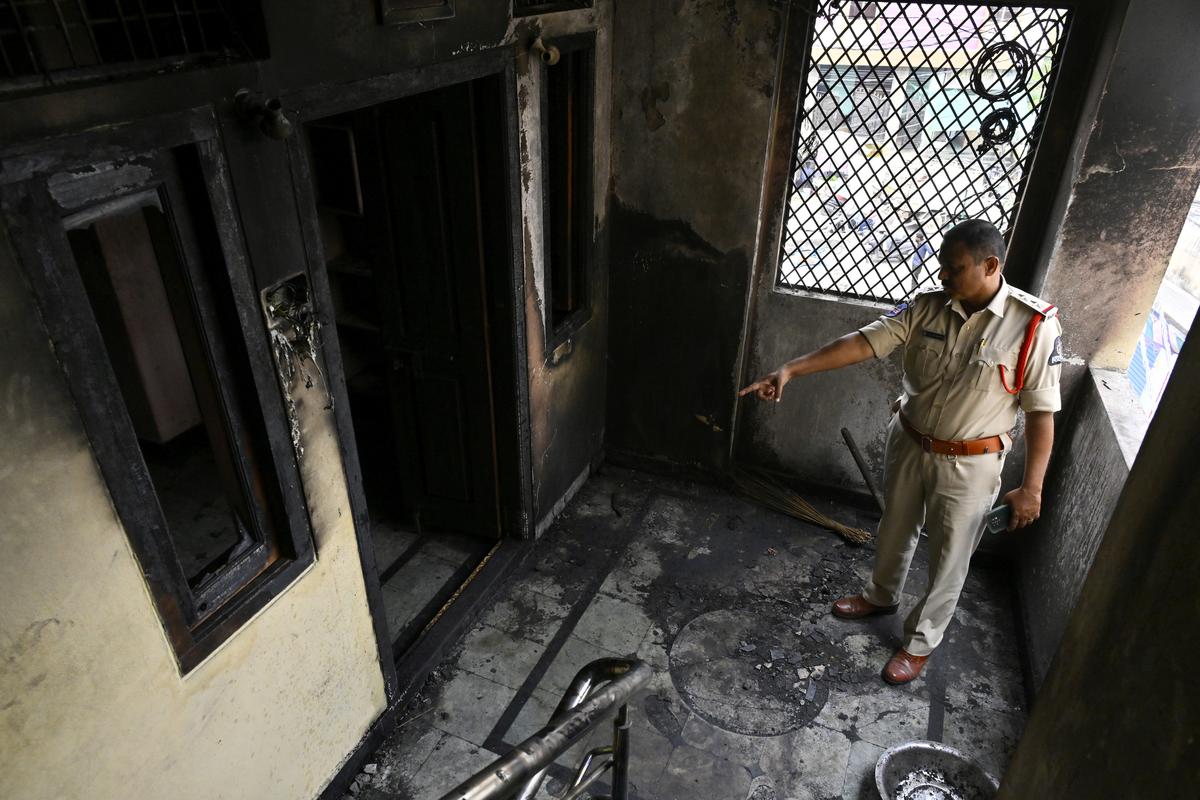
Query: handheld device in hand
pixel 998 518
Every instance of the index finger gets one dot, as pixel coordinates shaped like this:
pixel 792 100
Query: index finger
pixel 751 388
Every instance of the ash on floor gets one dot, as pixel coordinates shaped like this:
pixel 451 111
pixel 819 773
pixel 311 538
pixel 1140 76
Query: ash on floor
pixel 758 692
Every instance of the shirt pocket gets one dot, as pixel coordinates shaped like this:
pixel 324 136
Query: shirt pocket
pixel 983 368
pixel 923 361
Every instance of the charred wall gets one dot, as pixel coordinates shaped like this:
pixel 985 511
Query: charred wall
pixel 1132 183
pixel 301 682
pixel 693 81
pixel 1116 716
pixel 316 48
pixel 1095 449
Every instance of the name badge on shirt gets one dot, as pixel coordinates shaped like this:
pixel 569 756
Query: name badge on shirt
pixel 941 337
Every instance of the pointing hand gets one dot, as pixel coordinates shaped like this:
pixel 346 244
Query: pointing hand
pixel 769 387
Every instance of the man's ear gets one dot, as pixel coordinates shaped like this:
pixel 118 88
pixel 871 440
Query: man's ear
pixel 991 265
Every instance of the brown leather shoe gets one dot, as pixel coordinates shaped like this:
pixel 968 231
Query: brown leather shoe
pixel 856 606
pixel 903 667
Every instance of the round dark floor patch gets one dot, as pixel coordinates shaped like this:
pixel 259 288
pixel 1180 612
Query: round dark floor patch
pixel 754 671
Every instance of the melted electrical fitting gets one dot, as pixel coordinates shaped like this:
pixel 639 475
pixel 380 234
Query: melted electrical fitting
pixel 295 335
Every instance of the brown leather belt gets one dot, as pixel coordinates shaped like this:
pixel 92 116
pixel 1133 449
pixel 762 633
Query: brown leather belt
pixel 969 447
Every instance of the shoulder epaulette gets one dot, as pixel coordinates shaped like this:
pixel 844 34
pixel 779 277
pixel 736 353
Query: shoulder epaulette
pixel 1042 311
pixel 1039 305
pixel 931 292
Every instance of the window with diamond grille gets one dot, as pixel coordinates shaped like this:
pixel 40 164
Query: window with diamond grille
pixel 43 42
pixel 915 116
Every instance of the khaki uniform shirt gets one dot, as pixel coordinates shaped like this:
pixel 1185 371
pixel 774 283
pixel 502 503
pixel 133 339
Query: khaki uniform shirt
pixel 952 360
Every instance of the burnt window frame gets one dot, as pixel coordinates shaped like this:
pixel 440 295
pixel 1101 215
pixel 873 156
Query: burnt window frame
pixel 557 331
pixel 527 8
pixel 39 208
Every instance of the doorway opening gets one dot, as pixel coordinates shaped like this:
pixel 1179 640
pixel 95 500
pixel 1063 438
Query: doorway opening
pixel 412 201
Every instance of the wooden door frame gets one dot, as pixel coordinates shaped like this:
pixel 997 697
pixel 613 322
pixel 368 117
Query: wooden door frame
pixel 313 103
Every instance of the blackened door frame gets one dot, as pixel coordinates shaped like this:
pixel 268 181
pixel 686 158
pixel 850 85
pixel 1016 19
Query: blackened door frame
pixel 511 418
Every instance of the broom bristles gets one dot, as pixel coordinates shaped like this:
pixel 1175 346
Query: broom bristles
pixel 784 500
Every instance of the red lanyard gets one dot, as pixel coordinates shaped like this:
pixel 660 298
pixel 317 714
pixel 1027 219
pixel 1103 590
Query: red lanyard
pixel 1023 361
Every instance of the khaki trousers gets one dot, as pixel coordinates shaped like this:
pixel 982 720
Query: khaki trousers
pixel 949 495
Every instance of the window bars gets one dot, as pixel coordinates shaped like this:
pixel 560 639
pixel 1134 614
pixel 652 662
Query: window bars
pixel 915 116
pixel 41 40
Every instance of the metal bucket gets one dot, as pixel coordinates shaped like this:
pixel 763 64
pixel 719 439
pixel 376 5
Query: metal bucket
pixel 931 771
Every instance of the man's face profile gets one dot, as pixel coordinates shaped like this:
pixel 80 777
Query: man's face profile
pixel 961 275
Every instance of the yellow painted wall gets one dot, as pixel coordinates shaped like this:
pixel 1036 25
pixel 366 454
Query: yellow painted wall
pixel 92 704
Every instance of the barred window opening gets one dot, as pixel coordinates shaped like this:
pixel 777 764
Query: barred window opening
pixel 915 117
pixel 49 42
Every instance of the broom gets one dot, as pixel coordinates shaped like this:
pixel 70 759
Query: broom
pixel 771 494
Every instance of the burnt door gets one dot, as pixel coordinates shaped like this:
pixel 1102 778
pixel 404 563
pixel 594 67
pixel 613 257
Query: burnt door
pixel 436 329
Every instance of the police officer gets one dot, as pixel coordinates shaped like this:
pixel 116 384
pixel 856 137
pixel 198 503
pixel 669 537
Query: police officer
pixel 974 351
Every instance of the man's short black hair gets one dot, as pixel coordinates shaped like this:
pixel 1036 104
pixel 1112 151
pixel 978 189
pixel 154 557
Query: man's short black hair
pixel 980 237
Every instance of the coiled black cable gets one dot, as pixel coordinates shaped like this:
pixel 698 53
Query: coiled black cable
pixel 996 128
pixel 1022 60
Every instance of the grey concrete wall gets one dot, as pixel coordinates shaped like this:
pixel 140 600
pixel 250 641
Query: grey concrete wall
pixel 1095 450
pixel 801 434
pixel 1116 713
pixel 1116 716
pixel 693 81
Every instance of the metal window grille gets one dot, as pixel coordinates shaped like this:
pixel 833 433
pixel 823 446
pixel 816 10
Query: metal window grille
pixel 43 41
pixel 915 116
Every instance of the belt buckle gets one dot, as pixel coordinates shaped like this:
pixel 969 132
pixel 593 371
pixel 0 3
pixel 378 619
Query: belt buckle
pixel 927 444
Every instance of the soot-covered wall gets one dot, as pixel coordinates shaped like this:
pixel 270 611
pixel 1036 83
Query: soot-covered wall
pixel 287 697
pixel 695 88
pixel 327 46
pixel 1131 184
pixel 1116 716
pixel 693 81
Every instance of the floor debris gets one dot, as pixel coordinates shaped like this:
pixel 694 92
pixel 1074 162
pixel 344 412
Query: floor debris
pixel 737 708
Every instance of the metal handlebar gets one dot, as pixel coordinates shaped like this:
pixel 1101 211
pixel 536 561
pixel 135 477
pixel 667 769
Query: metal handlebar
pixel 519 775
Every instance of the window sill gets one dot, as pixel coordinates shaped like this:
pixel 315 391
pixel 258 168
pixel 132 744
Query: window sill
pixel 212 637
pixel 858 302
pixel 1125 414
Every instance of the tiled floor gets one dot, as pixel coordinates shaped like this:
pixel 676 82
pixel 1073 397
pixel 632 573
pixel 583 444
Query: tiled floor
pixel 758 693
pixel 419 572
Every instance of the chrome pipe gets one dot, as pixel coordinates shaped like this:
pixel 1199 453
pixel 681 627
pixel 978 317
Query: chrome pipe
pixel 520 773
